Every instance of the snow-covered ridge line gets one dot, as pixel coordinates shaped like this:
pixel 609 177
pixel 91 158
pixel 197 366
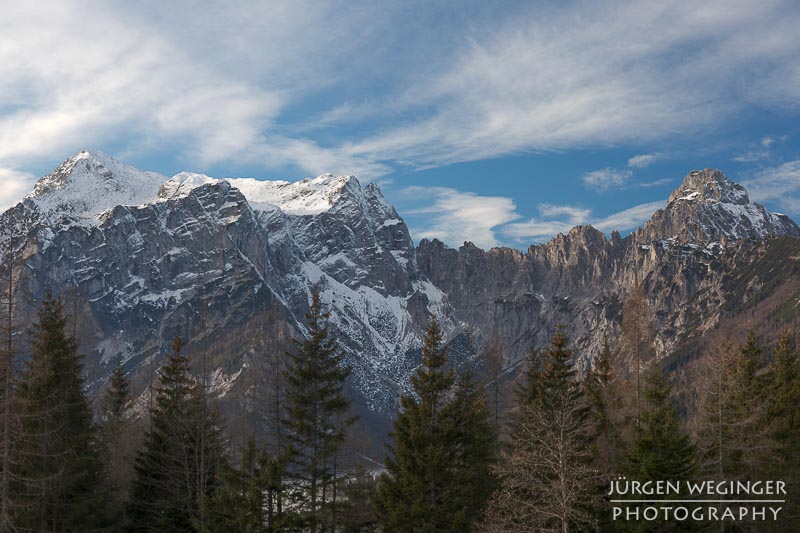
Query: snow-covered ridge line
pixel 90 183
pixel 309 196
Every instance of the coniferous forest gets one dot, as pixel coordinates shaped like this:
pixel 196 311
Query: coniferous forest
pixel 464 453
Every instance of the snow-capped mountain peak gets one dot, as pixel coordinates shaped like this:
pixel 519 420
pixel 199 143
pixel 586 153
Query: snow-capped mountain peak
pixel 309 196
pixel 709 208
pixel 710 185
pixel 88 184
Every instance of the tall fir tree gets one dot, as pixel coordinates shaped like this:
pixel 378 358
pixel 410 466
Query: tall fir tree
pixel 547 481
pixel 437 469
pixel 784 418
pixel 476 450
pixel 58 465
pixel 170 468
pixel 317 420
pixel 8 418
pixel 734 435
pixel 603 395
pixel 661 450
pixel 238 502
pixel 119 435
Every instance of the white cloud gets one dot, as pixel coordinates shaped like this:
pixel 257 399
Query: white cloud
pixel 563 79
pixel 456 216
pixel 537 230
pixel 575 215
pixel 414 83
pixel 777 185
pixel 762 151
pixel 13 186
pixel 606 178
pixel 643 160
pixel 628 218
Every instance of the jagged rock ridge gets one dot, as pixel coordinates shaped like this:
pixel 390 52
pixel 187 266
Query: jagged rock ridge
pixel 230 262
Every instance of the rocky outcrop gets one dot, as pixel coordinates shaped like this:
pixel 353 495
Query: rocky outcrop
pixel 230 265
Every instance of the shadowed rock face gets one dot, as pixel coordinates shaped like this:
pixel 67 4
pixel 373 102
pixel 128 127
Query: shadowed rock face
pixel 230 265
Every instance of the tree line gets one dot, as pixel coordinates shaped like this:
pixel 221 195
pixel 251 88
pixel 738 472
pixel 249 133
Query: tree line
pixel 163 461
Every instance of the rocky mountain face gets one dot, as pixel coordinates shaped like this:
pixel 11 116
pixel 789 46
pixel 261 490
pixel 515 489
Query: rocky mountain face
pixel 230 265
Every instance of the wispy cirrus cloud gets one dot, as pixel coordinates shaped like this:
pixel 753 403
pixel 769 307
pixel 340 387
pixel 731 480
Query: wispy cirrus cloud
pixel 248 82
pixel 455 216
pixel 543 228
pixel 606 178
pixel 779 185
pixel 643 160
pixel 628 219
pixel 487 221
pixel 761 152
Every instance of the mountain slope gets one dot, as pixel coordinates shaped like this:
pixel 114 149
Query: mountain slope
pixel 230 265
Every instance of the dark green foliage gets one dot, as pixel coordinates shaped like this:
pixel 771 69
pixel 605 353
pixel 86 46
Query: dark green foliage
pixel 661 450
pixel 120 437
pixel 547 479
pixel 529 387
pixel 784 418
pixel 116 395
pixel 238 501
pixel 176 469
pixel 317 418
pixel 357 512
pixel 438 474
pixel 475 438
pixel 58 467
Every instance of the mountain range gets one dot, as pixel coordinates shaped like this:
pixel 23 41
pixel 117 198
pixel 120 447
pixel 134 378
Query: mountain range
pixel 230 264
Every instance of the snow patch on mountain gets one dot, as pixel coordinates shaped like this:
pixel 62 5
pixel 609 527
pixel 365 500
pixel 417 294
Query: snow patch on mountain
pixel 310 196
pixel 90 183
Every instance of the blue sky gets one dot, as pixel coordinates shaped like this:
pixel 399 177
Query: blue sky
pixel 495 122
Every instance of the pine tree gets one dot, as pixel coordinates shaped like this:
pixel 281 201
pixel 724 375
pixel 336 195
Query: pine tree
pixel 476 447
pixel 661 450
pixel 317 418
pixel 547 480
pixel 119 435
pixel 784 417
pixel 528 389
pixel 116 395
pixel 238 500
pixel 58 464
pixel 603 396
pixel 8 419
pixel 415 493
pixel 734 436
pixel 164 495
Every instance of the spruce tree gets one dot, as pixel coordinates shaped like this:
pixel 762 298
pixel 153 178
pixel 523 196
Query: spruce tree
pixel 116 395
pixel 119 434
pixel 476 447
pixel 8 325
pixel 547 481
pixel 784 418
pixel 661 450
pixel 170 467
pixel 238 500
pixel 735 433
pixel 603 395
pixel 415 493
pixel 317 418
pixel 58 466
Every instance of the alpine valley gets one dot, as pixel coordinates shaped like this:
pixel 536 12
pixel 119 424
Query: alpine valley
pixel 230 265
